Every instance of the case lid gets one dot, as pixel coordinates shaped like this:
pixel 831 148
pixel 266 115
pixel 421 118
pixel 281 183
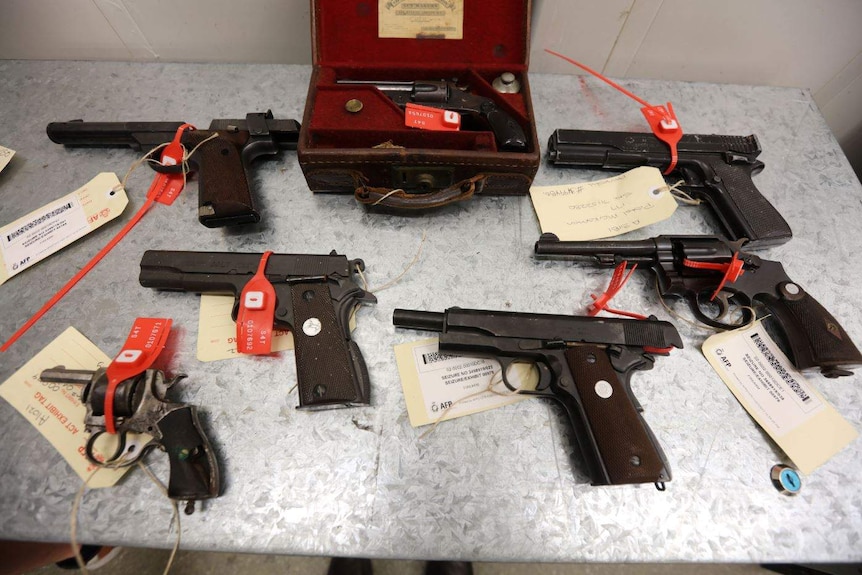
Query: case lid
pixel 493 33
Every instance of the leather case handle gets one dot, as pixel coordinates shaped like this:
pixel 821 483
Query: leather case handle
pixel 401 200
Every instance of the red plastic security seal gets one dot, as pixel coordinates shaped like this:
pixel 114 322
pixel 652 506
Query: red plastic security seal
pixel 732 270
pixel 428 118
pixel 167 187
pixel 619 279
pixel 662 120
pixel 256 313
pixel 144 344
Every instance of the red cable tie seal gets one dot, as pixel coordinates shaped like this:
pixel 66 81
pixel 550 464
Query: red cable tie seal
pixel 164 189
pixel 732 270
pixel 428 118
pixel 662 120
pixel 666 128
pixel 619 280
pixel 167 187
pixel 256 313
pixel 145 342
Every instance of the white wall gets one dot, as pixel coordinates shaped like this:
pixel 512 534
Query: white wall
pixel 816 44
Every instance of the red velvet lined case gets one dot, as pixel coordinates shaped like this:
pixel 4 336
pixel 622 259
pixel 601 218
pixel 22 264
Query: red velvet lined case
pixel 339 151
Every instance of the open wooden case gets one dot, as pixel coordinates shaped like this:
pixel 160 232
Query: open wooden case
pixel 371 153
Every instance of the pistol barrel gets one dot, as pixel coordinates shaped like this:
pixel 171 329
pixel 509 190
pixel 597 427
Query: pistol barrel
pixel 63 375
pixel 421 320
pixel 399 86
pixel 111 134
pixel 635 251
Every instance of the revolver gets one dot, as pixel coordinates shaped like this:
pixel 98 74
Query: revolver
pixel 716 169
pixel 224 190
pixel 449 96
pixel 711 270
pixel 139 407
pixel 314 298
pixel 584 364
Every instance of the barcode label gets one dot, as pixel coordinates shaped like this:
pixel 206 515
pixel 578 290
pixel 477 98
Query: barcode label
pixel 777 396
pixel 39 221
pixel 763 379
pixel 45 231
pixel 434 357
pixel 779 369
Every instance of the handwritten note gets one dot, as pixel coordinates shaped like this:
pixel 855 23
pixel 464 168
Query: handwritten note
pixel 604 208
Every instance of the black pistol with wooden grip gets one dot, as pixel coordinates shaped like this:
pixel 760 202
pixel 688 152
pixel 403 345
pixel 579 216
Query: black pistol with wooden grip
pixel 585 364
pixel 140 407
pixel 716 169
pixel 222 163
pixel 315 297
pixel 712 272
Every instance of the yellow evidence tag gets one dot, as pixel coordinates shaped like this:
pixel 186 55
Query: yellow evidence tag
pixel 55 409
pixel 603 208
pixel 777 396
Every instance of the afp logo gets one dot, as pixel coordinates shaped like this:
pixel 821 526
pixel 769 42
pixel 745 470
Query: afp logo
pixel 18 265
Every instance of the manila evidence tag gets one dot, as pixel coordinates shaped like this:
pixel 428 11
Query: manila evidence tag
pixel 604 208
pixel 434 382
pixel 778 397
pixel 55 409
pixel 45 231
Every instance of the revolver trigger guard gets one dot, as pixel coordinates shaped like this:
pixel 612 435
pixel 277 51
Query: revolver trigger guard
pixel 722 301
pixel 176 379
pixel 88 450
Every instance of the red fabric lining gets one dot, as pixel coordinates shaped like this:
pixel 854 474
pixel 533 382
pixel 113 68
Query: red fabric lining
pixel 331 126
pixel 346 46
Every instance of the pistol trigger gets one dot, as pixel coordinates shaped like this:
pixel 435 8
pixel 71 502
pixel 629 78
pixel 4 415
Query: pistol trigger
pixel 723 302
pixel 234 312
pixel 546 376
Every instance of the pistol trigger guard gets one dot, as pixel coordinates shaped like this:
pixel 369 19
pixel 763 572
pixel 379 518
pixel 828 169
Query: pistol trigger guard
pixel 258 147
pixel 505 362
